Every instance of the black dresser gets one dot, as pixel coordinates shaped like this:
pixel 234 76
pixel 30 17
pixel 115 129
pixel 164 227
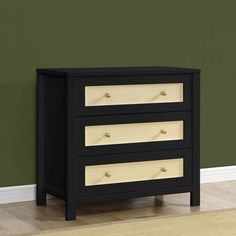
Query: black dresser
pixel 116 133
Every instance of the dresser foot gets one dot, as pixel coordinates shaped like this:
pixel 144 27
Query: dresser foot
pixel 195 199
pixel 159 197
pixel 70 211
pixel 41 198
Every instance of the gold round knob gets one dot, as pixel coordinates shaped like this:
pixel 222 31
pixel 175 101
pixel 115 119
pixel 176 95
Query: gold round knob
pixel 163 169
pixel 107 95
pixel 107 174
pixel 108 135
pixel 163 131
pixel 163 93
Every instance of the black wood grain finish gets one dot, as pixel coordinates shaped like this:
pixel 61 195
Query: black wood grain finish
pixel 107 71
pixel 195 194
pixel 62 116
pixel 70 151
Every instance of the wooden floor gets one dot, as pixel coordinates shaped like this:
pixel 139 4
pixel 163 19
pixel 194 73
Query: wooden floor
pixel 26 217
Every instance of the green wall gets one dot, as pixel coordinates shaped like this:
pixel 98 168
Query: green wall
pixel 86 33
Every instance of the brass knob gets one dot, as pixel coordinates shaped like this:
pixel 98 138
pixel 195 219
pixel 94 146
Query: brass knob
pixel 108 135
pixel 163 131
pixel 163 93
pixel 163 169
pixel 107 95
pixel 107 174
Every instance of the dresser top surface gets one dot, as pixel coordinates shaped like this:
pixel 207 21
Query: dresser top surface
pixel 102 71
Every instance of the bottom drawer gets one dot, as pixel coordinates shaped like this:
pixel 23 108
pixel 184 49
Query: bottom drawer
pixel 133 171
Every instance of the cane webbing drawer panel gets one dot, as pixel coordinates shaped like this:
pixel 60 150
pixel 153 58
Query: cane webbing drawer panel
pixel 133 171
pixel 133 133
pixel 133 94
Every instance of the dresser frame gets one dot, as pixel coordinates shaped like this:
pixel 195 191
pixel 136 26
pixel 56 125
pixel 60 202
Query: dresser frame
pixel 60 103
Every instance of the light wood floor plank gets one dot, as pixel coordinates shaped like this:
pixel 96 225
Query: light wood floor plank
pixel 13 224
pixel 26 217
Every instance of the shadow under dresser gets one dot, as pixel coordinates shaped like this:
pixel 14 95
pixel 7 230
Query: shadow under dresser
pixel 116 133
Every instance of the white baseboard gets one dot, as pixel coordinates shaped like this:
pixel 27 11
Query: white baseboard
pixel 20 193
pixel 24 193
pixel 218 174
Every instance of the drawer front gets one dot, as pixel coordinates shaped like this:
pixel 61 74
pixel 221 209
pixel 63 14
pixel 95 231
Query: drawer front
pixel 133 171
pixel 133 94
pixel 103 174
pixel 129 94
pixel 133 133
pixel 136 132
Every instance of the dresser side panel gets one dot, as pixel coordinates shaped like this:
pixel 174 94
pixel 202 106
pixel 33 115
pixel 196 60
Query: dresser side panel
pixel 55 134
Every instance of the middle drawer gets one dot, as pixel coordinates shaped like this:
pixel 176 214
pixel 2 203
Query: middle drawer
pixel 139 132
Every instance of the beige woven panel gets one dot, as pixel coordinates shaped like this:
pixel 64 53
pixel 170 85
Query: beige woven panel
pixel 133 94
pixel 133 133
pixel 133 171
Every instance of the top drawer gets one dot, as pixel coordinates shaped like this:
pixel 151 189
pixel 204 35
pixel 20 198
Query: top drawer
pixel 116 95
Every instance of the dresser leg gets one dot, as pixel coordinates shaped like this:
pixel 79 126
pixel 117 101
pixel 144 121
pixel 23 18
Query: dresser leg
pixel 195 198
pixel 70 210
pixel 41 197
